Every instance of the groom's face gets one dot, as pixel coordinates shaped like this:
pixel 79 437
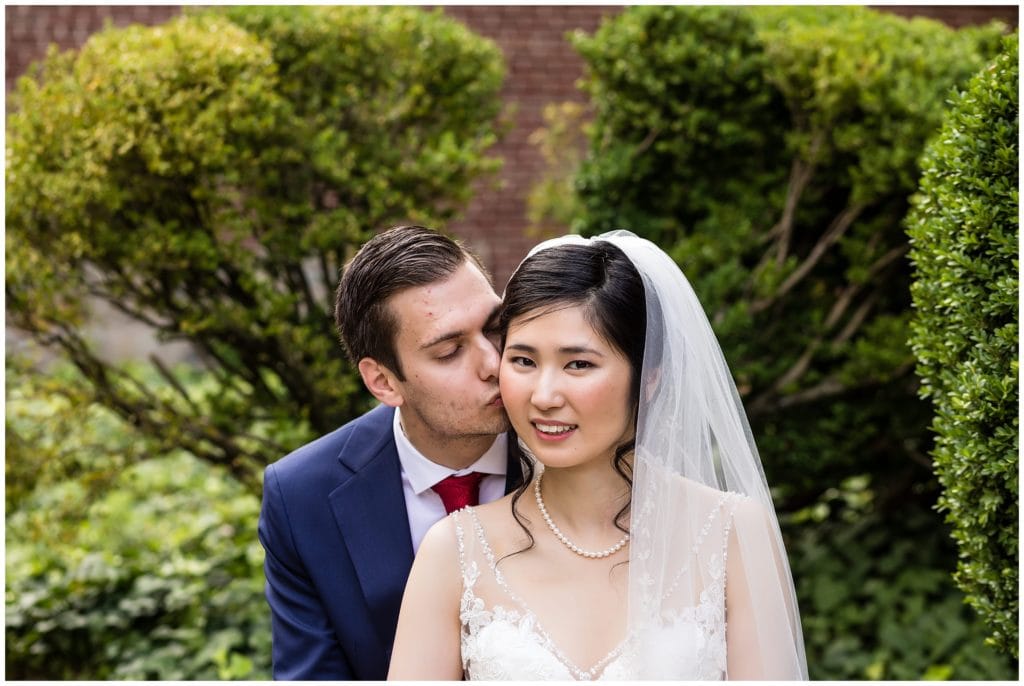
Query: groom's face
pixel 449 357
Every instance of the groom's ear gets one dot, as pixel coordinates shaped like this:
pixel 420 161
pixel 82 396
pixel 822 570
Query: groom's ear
pixel 381 382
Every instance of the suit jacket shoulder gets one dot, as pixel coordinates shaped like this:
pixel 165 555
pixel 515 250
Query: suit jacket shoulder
pixel 335 530
pixel 315 464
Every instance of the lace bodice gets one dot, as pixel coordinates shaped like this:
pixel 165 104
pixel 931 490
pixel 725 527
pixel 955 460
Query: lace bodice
pixel 506 641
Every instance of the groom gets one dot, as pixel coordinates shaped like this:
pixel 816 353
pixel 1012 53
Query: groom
pixel 343 515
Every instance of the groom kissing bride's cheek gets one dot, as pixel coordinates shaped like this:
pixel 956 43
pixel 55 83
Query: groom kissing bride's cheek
pixel 569 465
pixel 344 515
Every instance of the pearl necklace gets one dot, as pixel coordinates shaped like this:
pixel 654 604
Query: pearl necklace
pixel 562 537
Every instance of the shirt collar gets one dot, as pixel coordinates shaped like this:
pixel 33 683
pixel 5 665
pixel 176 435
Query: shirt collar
pixel 423 473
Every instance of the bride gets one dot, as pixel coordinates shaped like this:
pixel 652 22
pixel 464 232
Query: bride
pixel 643 543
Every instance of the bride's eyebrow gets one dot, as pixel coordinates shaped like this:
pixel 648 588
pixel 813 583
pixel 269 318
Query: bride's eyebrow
pixel 568 349
pixel 579 350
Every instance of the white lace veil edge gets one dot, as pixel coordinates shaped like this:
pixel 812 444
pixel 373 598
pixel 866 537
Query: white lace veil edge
pixel 702 519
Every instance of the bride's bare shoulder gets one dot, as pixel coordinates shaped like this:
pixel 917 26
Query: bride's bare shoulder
pixel 440 540
pixel 501 528
pixel 496 513
pixel 691 488
pixel 706 497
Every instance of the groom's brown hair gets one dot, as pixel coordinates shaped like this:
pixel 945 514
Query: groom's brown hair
pixel 396 259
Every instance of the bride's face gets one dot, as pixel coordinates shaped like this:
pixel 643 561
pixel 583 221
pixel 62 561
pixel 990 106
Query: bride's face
pixel 565 388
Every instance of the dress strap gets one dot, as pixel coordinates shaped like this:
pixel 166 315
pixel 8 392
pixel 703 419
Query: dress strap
pixel 460 538
pixel 729 504
pixel 467 565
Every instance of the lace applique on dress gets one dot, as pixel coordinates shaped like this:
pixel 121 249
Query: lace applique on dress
pixel 503 643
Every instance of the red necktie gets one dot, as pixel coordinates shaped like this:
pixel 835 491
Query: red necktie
pixel 458 491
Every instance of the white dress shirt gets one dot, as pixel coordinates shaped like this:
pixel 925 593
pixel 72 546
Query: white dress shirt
pixel 419 475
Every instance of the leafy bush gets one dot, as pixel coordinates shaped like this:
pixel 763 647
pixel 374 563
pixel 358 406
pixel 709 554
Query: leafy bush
pixel 155 575
pixel 209 177
pixel 561 141
pixel 875 594
pixel 53 434
pixel 159 579
pixel 964 232
pixel 771 151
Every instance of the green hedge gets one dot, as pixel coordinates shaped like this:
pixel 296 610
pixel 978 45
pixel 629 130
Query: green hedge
pixel 964 232
pixel 120 567
pixel 209 177
pixel 875 594
pixel 772 151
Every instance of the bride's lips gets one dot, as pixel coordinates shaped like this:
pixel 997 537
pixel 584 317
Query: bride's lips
pixel 564 430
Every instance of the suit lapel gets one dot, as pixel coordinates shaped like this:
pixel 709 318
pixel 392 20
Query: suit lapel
pixel 369 509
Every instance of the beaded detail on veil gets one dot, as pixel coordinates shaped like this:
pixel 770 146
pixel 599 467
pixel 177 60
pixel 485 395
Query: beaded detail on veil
pixel 502 641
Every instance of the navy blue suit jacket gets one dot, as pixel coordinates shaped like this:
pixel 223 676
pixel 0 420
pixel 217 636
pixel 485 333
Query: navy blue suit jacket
pixel 338 551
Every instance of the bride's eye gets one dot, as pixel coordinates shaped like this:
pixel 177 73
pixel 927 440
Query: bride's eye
pixel 520 361
pixel 579 364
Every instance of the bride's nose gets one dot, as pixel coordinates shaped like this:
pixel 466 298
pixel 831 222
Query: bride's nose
pixel 547 392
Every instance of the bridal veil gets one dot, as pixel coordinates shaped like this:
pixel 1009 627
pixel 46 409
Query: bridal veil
pixel 701 509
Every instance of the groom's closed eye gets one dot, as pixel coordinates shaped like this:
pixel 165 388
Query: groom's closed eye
pixel 449 354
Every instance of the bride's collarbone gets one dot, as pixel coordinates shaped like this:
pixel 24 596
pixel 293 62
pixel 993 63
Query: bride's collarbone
pixel 545 571
pixel 579 603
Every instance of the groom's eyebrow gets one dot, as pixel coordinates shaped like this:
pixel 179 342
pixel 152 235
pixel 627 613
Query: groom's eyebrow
pixel 442 338
pixel 492 323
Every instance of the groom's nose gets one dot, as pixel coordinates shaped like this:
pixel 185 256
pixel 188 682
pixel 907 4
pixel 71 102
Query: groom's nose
pixel 489 359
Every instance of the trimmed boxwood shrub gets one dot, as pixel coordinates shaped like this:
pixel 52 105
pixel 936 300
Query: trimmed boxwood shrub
pixel 964 232
pixel 209 177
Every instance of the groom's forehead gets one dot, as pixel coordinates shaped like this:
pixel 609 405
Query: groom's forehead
pixel 464 300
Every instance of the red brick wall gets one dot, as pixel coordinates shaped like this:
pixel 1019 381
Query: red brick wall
pixel 542 68
pixel 31 28
pixel 958 15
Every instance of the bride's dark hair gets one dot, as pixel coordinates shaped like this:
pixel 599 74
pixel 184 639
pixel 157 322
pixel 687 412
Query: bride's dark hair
pixel 599 278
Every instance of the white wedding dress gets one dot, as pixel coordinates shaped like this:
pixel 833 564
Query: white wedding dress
pixel 503 639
